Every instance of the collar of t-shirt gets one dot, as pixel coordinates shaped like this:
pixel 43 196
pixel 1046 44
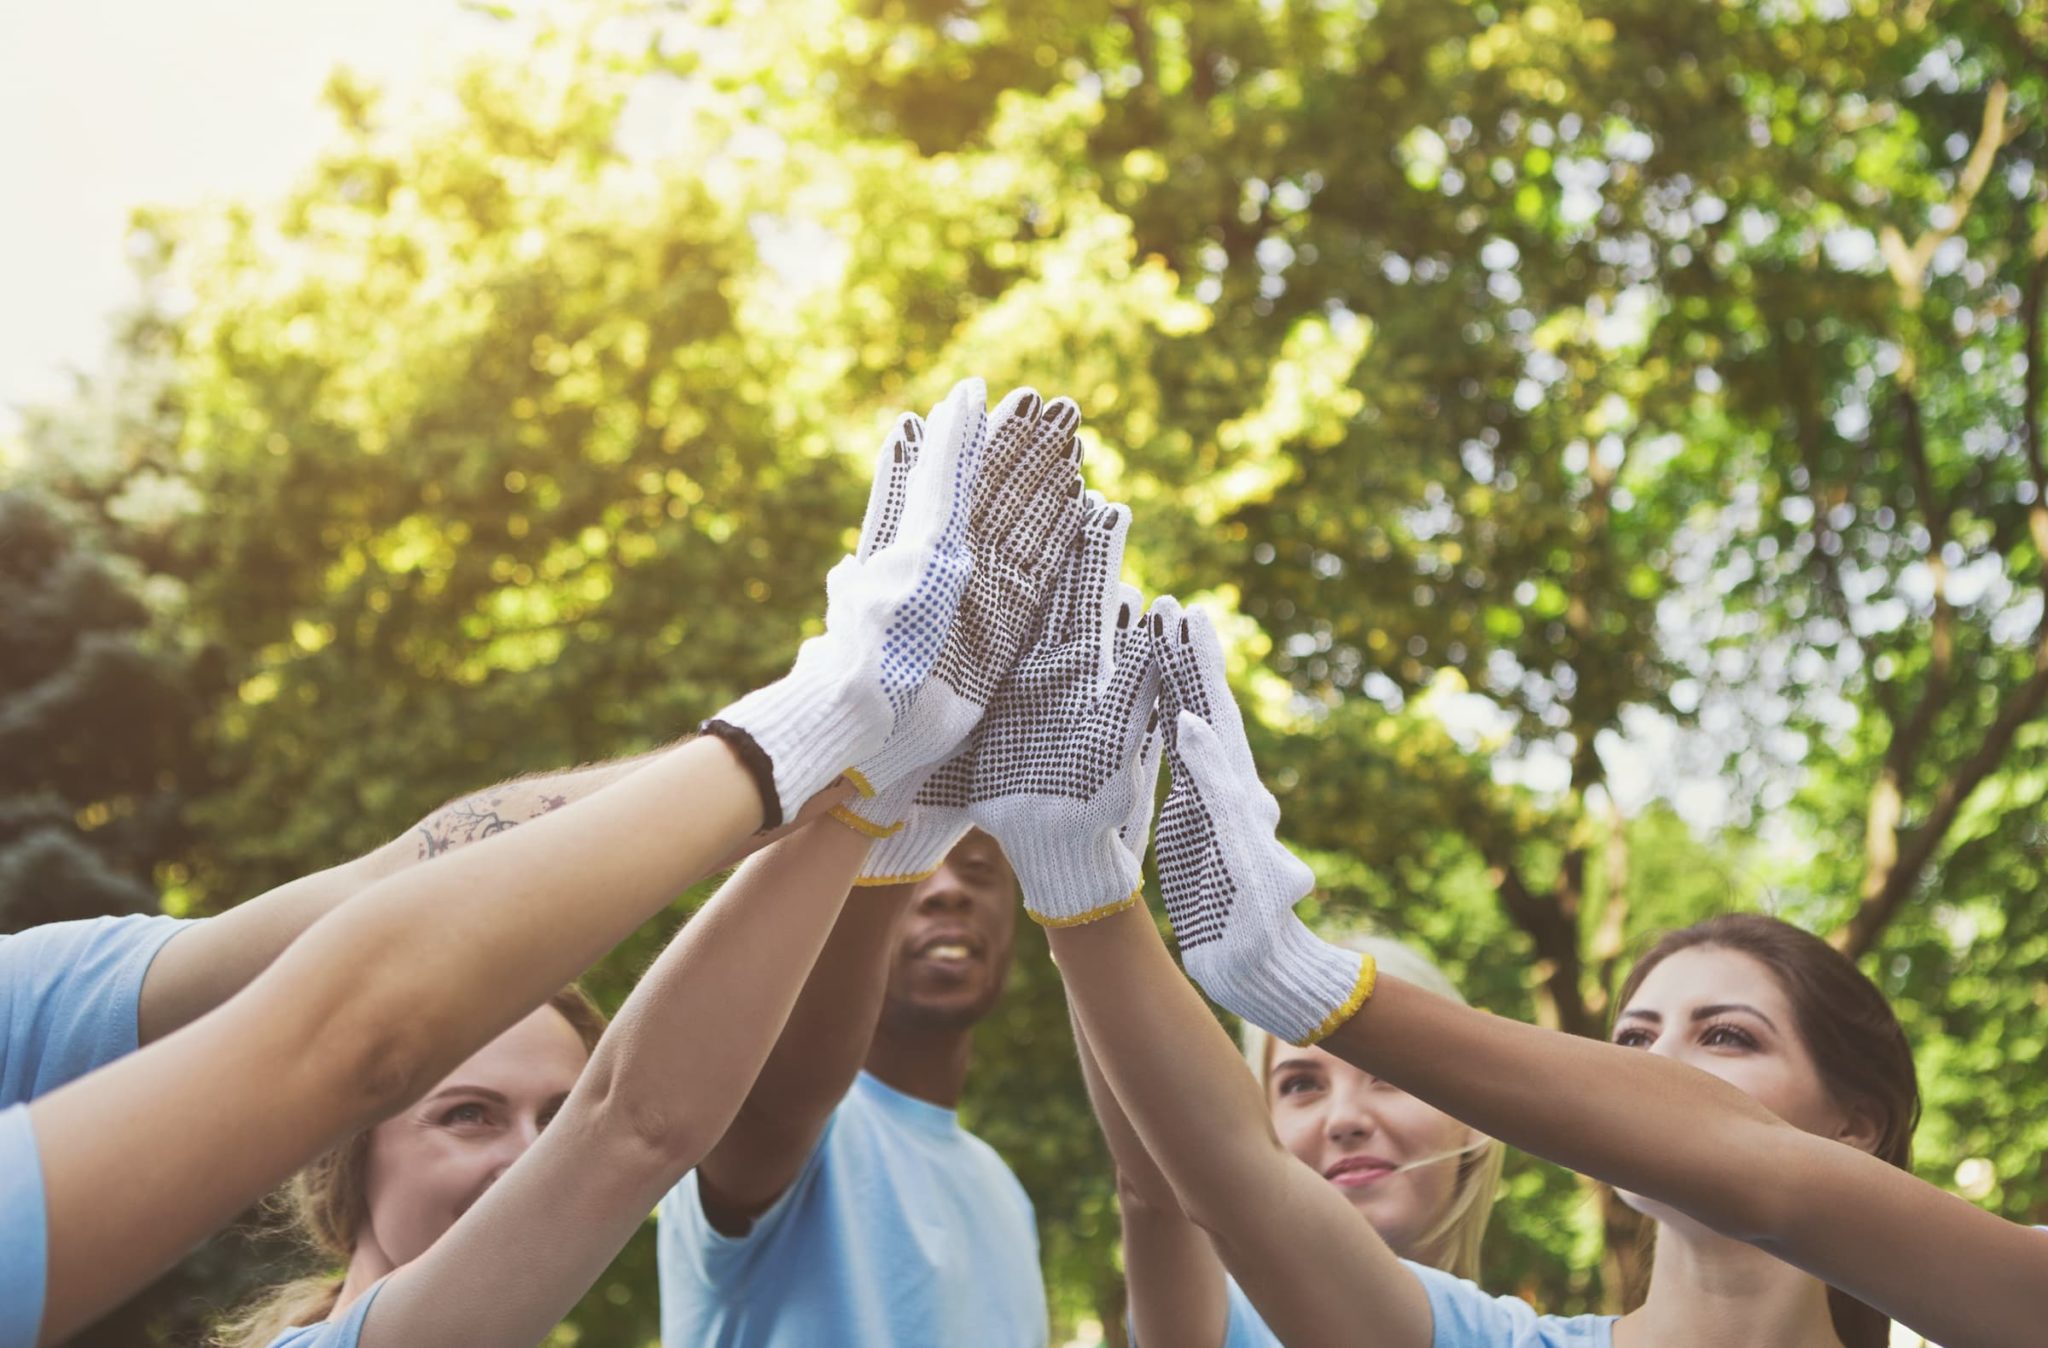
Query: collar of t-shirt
pixel 908 1110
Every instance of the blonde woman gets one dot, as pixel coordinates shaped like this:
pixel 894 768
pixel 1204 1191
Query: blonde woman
pixel 482 1211
pixel 1422 1180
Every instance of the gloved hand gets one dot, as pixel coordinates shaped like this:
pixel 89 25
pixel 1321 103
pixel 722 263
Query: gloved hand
pixel 889 608
pixel 1057 761
pixel 1026 510
pixel 1230 886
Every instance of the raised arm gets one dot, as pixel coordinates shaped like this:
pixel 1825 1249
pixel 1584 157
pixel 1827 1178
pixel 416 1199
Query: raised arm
pixel 209 962
pixel 146 1156
pixel 1026 511
pixel 380 997
pixel 1172 1273
pixel 662 1087
pixel 813 1062
pixel 1948 1270
pixel 1313 1267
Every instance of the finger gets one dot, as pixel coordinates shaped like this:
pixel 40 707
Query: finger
pixel 1130 618
pixel 1132 695
pixel 1058 508
pixel 1095 566
pixel 940 489
pixel 893 463
pixel 1010 430
pixel 1036 463
pixel 1161 618
pixel 1202 651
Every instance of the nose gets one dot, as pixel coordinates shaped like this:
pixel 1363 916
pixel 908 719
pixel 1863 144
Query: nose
pixel 943 894
pixel 1351 1117
pixel 512 1145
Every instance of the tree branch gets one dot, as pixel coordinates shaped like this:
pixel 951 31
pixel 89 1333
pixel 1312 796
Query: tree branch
pixel 1902 755
pixel 1909 265
pixel 2030 406
pixel 1881 904
pixel 1555 934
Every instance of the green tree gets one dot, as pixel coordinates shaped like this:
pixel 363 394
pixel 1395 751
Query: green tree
pixel 1514 370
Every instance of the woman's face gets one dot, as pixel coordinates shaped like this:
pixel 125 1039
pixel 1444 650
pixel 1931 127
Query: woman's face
pixel 429 1164
pixel 1724 1012
pixel 1356 1131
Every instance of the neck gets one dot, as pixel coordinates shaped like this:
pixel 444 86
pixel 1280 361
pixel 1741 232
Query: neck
pixel 1707 1291
pixel 366 1264
pixel 925 1064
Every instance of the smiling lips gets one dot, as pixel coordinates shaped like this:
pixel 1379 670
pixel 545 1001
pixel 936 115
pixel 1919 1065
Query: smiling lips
pixel 1355 1172
pixel 948 947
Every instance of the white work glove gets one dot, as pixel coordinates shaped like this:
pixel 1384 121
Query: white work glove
pixel 1230 886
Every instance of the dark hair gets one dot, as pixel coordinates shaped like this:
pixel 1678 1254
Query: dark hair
pixel 1850 1032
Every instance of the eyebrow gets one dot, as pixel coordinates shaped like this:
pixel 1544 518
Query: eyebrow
pixel 482 1092
pixel 1700 1013
pixel 1279 1063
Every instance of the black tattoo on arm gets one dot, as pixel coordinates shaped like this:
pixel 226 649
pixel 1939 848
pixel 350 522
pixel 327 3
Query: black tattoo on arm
pixel 471 818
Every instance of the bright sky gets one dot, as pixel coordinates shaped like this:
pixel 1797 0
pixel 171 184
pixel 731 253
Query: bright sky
pixel 106 105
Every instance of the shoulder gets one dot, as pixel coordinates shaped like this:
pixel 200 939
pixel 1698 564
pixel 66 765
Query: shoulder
pixel 346 1332
pixel 999 1175
pixel 1468 1317
pixel 69 994
pixel 59 947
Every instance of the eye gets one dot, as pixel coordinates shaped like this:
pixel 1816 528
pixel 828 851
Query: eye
pixel 1727 1036
pixel 1297 1083
pixel 547 1116
pixel 467 1113
pixel 1633 1037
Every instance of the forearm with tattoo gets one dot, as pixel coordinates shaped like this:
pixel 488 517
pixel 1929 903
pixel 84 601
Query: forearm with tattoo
pixel 479 816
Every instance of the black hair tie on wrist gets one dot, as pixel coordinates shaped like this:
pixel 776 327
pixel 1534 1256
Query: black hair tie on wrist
pixel 758 765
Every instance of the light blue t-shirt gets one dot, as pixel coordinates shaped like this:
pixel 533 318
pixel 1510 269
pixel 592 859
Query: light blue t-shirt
pixel 69 993
pixel 24 1238
pixel 903 1230
pixel 1465 1318
pixel 68 998
pixel 341 1333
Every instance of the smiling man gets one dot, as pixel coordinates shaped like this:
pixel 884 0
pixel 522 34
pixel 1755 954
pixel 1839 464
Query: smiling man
pixel 846 1205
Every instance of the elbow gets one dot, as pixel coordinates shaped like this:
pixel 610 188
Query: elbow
pixel 1215 1202
pixel 1147 1198
pixel 654 1134
pixel 372 1055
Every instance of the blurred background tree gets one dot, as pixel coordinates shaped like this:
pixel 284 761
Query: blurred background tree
pixel 1613 429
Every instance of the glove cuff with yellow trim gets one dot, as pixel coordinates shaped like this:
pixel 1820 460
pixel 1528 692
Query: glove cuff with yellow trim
pixel 914 824
pixel 1071 876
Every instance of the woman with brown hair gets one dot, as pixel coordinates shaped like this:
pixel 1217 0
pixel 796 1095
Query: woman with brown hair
pixel 1758 1101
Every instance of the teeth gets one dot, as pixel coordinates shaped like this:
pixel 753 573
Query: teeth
pixel 947 950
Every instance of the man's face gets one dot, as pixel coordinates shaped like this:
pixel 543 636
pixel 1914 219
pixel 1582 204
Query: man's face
pixel 954 942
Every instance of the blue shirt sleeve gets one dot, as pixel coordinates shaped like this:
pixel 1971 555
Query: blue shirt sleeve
pixel 24 1231
pixel 1242 1326
pixel 1467 1317
pixel 342 1333
pixel 69 995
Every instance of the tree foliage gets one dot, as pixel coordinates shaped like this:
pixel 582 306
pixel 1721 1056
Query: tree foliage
pixel 1520 375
